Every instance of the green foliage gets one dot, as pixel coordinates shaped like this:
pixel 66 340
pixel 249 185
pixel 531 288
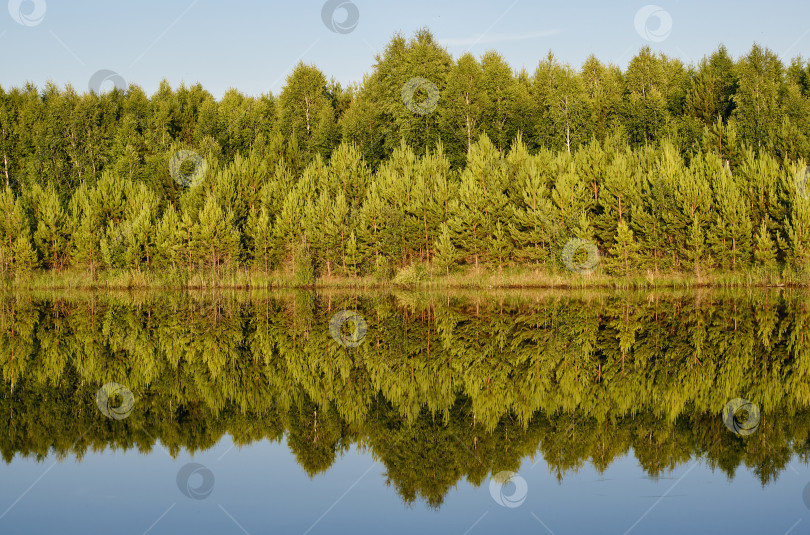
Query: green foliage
pixel 696 246
pixel 757 100
pixel 564 117
pixel 446 254
pixel 624 251
pixel 302 264
pixel 215 241
pixel 24 257
pixel 504 171
pixel 306 111
pixel 480 200
pixel 765 249
pixel 168 240
pixel 259 238
pixel 53 232
pixel 412 274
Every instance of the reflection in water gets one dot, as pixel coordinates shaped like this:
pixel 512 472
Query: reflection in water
pixel 438 388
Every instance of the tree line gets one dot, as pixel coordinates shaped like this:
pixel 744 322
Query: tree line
pixel 662 166
pixel 584 379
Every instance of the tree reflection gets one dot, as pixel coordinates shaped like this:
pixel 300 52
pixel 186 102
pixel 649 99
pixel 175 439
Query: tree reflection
pixel 443 387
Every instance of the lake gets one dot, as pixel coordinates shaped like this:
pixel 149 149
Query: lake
pixel 402 412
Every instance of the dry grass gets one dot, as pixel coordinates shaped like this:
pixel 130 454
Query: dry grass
pixel 415 276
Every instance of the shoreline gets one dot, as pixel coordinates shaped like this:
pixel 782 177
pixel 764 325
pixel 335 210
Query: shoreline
pixel 512 278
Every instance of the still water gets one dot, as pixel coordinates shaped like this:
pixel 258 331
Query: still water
pixel 541 412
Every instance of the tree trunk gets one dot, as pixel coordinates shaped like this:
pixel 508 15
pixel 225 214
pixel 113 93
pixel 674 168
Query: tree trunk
pixel 568 137
pixel 427 243
pixel 733 253
pixel 306 101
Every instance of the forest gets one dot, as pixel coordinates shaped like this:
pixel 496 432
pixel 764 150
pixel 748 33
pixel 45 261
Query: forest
pixel 432 165
pixel 442 388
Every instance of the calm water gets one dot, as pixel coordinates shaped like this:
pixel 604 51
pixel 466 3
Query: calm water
pixel 398 413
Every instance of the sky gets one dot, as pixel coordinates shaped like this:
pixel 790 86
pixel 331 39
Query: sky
pixel 254 45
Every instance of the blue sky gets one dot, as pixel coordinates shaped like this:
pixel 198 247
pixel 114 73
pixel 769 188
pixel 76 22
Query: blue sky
pixel 253 45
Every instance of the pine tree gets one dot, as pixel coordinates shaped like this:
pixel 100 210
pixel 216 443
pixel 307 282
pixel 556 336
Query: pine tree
pixel 353 257
pixel 534 225
pixel 445 252
pixel 724 141
pixel 765 249
pixel 259 234
pixel 14 228
pixel 349 174
pixel 114 242
pixel 302 263
pixel 372 224
pixel 572 201
pixel 315 214
pixel 238 186
pixel 500 245
pixel 185 237
pixel 287 228
pixel 760 177
pixel 619 192
pixel 648 219
pixel 23 253
pixel 168 242
pixel 732 231
pixel 427 204
pixel 624 251
pixel 86 243
pixel 52 237
pixel 336 229
pixel 480 200
pixel 796 243
pixel 693 204
pixel 696 246
pixel 6 258
pixel 140 247
pixel 215 241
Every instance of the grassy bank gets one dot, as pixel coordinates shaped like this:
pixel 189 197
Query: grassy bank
pixel 417 276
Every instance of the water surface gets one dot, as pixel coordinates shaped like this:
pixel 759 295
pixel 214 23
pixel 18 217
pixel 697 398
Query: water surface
pixel 463 413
